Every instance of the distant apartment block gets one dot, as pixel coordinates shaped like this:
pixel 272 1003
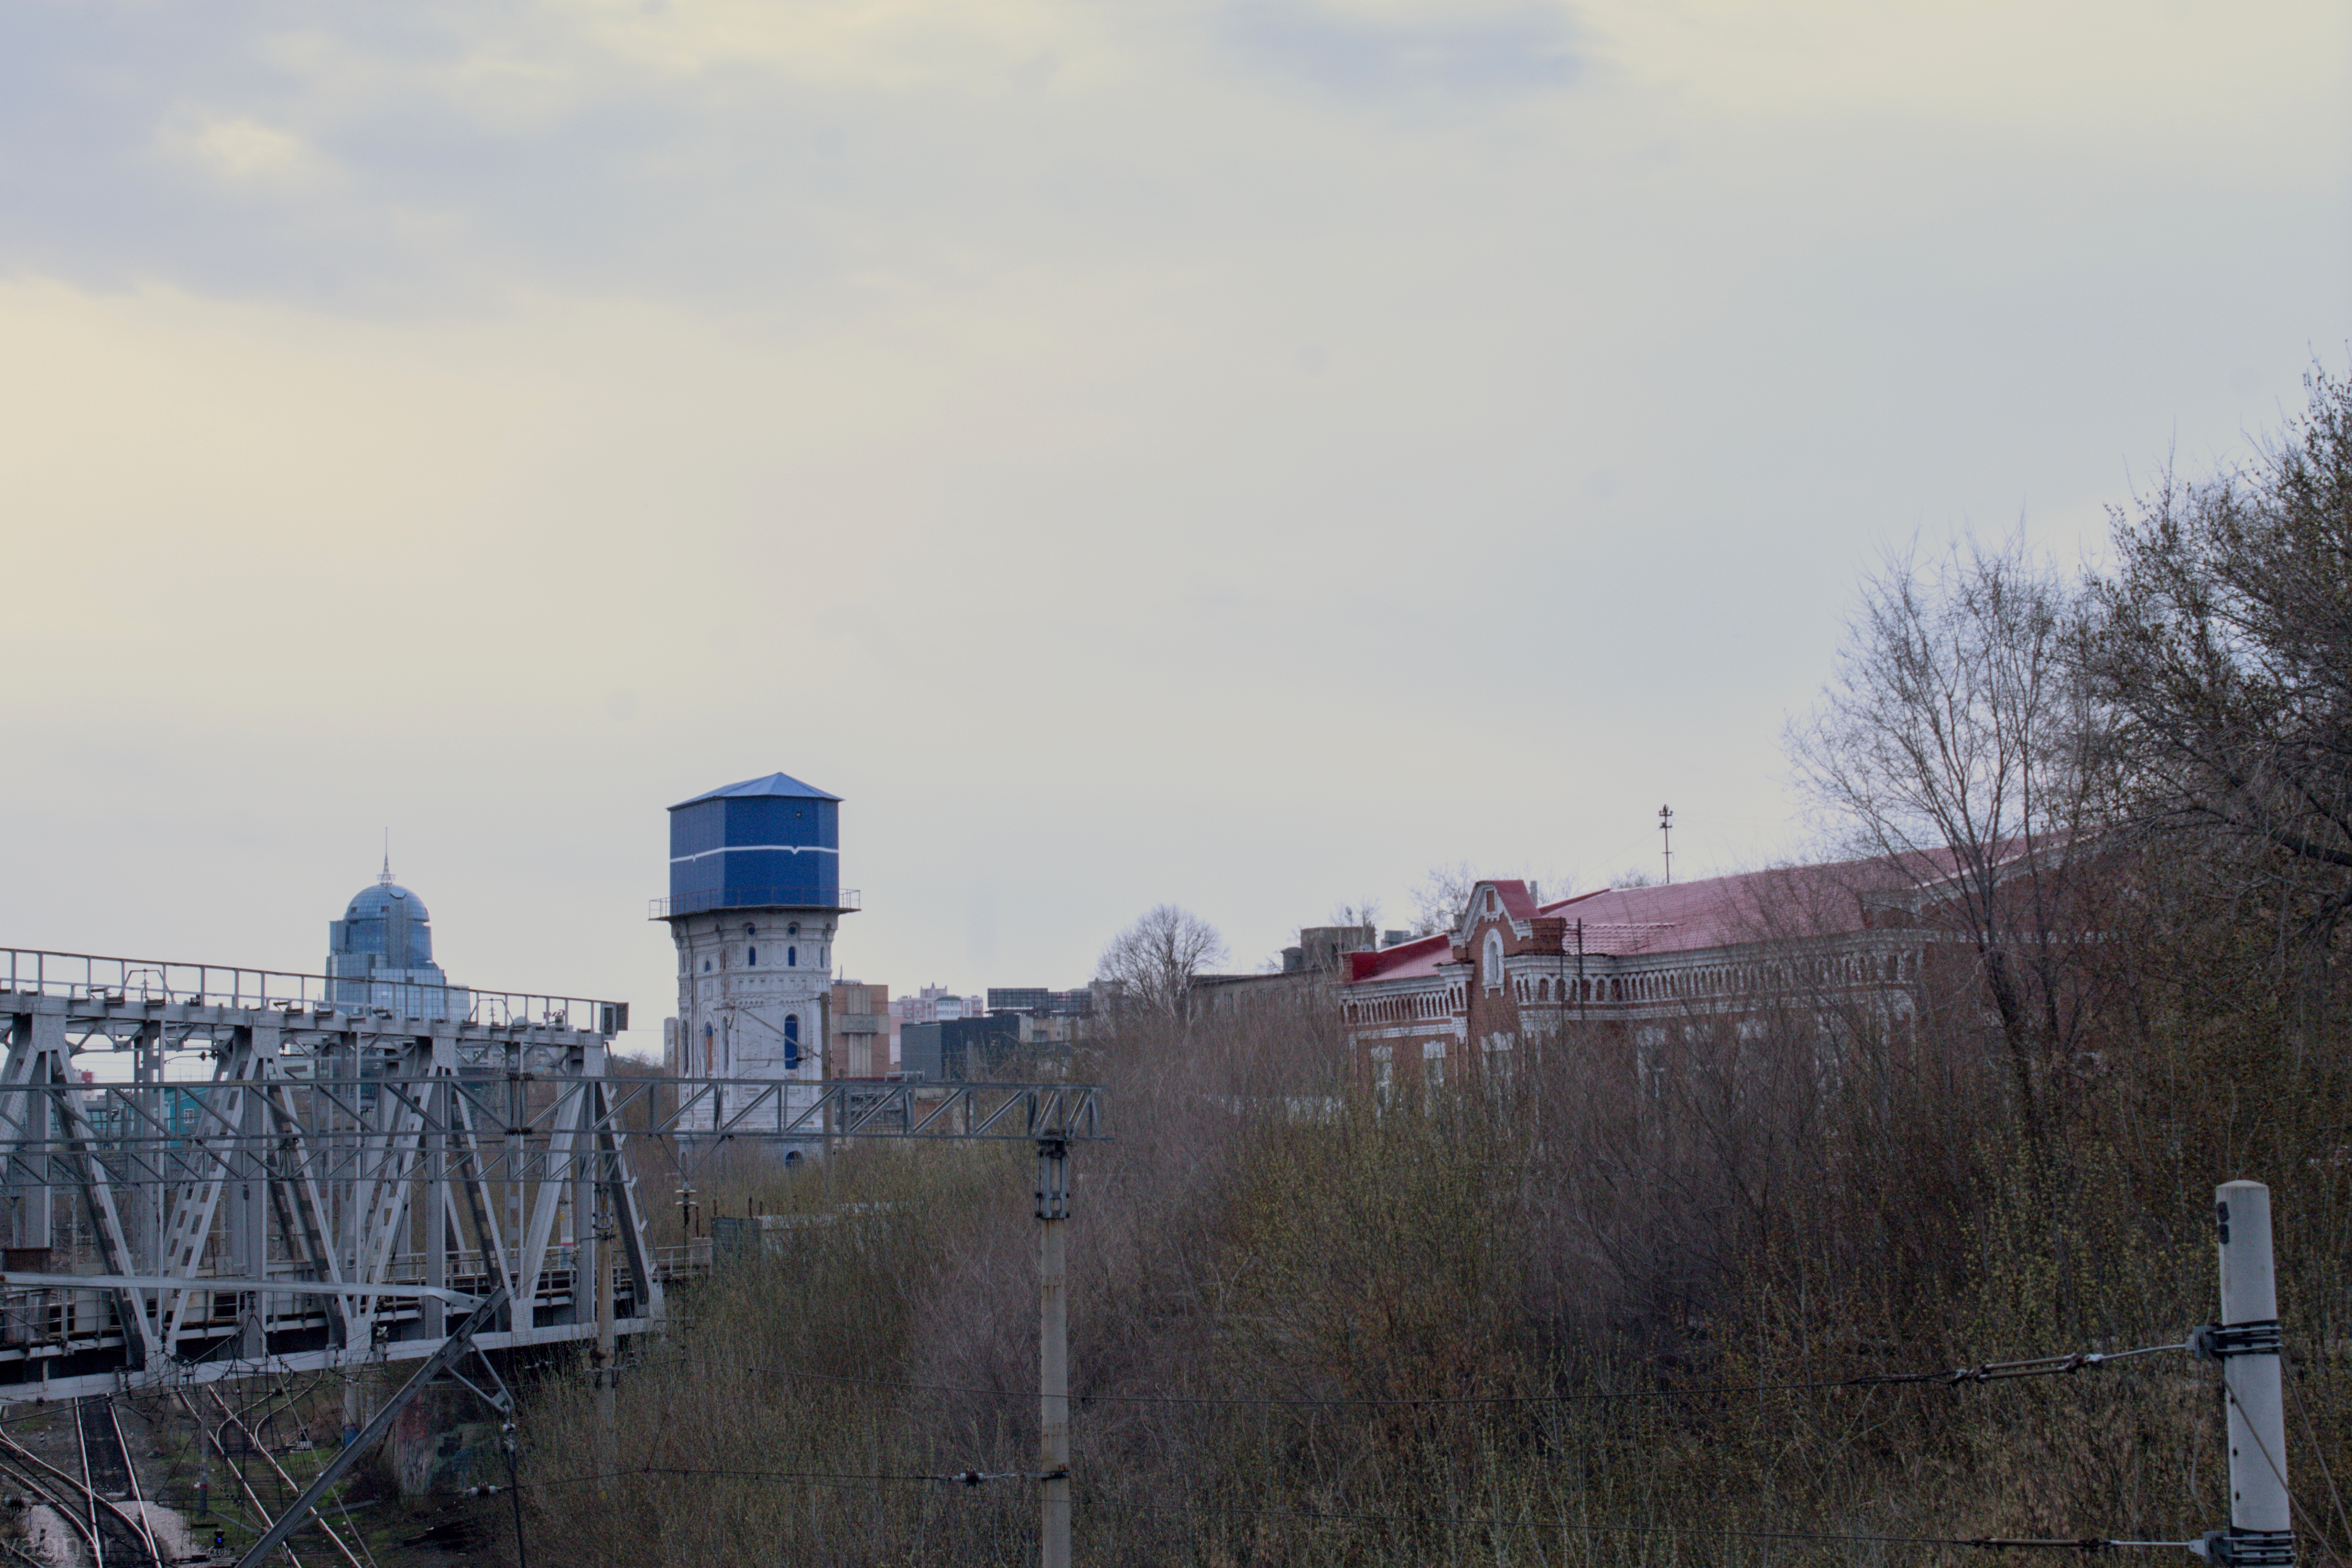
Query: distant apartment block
pixel 1036 1001
pixel 959 1050
pixel 935 1004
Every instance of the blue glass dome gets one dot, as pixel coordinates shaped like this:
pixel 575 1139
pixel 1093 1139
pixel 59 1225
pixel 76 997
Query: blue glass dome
pixel 386 922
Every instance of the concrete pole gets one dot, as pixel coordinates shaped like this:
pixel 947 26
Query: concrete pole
pixel 2260 1523
pixel 1052 1353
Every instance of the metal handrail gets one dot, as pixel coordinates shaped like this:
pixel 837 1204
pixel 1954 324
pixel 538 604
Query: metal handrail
pixel 101 978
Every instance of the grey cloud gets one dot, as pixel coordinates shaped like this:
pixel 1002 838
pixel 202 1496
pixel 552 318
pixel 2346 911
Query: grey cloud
pixel 108 114
pixel 1529 50
pixel 344 154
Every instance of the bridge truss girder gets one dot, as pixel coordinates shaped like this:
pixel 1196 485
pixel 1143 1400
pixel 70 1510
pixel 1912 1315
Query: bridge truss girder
pixel 351 1149
pixel 329 1145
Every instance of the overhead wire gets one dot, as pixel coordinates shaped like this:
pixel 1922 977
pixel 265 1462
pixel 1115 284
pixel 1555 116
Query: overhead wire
pixel 974 1477
pixel 1988 1371
pixel 1983 1542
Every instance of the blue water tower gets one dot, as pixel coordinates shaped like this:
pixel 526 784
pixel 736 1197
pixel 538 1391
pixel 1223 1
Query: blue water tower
pixel 755 899
pixel 766 843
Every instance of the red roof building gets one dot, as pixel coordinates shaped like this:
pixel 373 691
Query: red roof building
pixel 1642 960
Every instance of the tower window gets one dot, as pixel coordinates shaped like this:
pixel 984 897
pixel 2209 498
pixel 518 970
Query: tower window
pixel 706 966
pixel 750 930
pixel 794 929
pixel 751 955
pixel 792 1041
pixel 792 956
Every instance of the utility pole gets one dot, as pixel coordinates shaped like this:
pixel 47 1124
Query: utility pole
pixel 2246 1343
pixel 1666 832
pixel 1052 1353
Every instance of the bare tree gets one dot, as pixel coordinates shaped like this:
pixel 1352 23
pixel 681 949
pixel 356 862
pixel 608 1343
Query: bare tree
pixel 1153 962
pixel 2225 643
pixel 1441 897
pixel 1958 740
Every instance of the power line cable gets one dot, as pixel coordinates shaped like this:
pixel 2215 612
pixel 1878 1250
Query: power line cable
pixel 975 1477
pixel 1989 1543
pixel 1988 1371
pixel 957 1477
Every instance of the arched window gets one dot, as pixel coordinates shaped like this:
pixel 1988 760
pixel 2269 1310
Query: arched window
pixel 792 1041
pixel 706 966
pixel 1494 964
pixel 791 957
pixel 751 955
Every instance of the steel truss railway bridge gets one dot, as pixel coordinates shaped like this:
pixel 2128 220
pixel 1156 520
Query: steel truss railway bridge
pixel 362 1159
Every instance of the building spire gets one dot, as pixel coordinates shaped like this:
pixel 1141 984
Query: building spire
pixel 386 881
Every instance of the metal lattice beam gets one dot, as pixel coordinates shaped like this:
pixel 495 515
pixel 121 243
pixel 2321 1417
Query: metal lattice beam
pixel 326 1194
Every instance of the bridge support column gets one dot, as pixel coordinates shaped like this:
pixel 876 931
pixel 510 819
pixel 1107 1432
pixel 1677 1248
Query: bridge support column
pixel 250 1204
pixel 440 1113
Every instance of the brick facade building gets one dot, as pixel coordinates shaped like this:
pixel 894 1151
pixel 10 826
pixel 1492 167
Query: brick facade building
pixel 1856 940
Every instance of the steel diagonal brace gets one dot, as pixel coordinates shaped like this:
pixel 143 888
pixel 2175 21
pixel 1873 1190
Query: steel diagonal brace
pixel 758 1098
pixel 97 1192
pixel 876 1109
pixel 1004 1110
pixel 942 1111
pixel 459 1341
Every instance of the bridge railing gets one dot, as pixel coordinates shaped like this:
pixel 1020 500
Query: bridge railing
pixel 110 981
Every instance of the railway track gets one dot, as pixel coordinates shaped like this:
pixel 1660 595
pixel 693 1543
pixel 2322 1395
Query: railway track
pixel 92 1503
pixel 107 1470
pixel 293 1488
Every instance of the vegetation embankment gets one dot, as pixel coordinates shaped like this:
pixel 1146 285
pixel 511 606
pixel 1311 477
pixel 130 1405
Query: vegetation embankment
pixel 1608 1312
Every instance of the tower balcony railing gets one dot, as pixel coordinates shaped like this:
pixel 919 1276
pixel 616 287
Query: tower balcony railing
pixel 839 901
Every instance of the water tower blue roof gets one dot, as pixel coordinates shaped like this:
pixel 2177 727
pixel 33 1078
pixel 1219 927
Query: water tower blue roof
pixel 773 784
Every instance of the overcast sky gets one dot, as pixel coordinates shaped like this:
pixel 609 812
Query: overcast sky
pixel 1239 452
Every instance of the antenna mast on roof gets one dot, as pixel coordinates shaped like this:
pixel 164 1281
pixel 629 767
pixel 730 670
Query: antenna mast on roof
pixel 1666 831
pixel 386 881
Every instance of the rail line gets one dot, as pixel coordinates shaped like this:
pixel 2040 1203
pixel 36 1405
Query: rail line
pixel 112 1453
pixel 45 1491
pixel 112 1534
pixel 253 1441
pixel 252 1499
